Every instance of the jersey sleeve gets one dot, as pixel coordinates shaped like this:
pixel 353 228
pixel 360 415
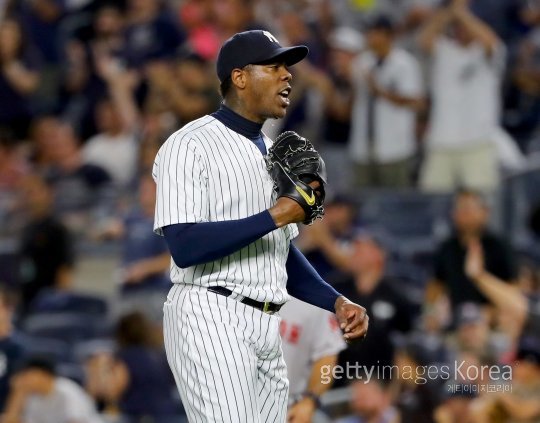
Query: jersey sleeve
pixel 328 339
pixel 182 184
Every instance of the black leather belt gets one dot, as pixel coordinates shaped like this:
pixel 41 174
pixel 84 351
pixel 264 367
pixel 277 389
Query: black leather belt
pixel 265 307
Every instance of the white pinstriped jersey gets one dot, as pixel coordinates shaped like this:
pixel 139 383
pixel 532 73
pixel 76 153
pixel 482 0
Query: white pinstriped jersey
pixel 205 172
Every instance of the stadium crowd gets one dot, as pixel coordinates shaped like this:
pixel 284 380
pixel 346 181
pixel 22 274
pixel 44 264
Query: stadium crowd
pixel 427 113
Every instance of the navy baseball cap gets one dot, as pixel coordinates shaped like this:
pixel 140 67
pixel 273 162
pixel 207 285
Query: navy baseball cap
pixel 380 22
pixel 254 47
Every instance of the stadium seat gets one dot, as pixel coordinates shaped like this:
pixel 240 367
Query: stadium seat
pixel 414 221
pixel 520 194
pixel 53 301
pixel 51 348
pixel 67 327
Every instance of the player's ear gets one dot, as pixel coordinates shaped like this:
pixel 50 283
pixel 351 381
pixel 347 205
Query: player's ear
pixel 239 77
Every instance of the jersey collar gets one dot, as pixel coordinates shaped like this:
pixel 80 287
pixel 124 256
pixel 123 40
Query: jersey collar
pixel 237 123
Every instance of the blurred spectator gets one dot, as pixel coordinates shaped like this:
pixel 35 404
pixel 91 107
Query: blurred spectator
pixel 12 170
pixel 12 167
pixel 80 88
pixel 435 319
pixel 468 62
pixel 41 22
pixel 336 89
pixel 521 311
pixel 473 335
pixel 137 379
pixel 19 78
pixel 528 277
pixel 296 29
pixel 371 403
pixel 415 395
pixel 82 85
pixel 232 16
pixel 98 363
pixel 156 126
pixel 151 33
pixel 11 349
pixel 520 404
pixel 202 35
pixel 389 92
pixel 387 309
pixel 457 408
pixel 470 217
pixel 311 340
pixel 530 12
pixel 526 77
pixel 500 15
pixel 46 253
pixel 42 132
pixel 418 11
pixel 38 395
pixel 323 243
pixel 108 29
pixel 114 147
pixel 187 87
pixel 145 256
pixel 82 192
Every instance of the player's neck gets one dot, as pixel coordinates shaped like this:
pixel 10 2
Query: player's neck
pixel 232 119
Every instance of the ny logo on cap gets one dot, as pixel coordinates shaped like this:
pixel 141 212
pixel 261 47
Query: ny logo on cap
pixel 270 37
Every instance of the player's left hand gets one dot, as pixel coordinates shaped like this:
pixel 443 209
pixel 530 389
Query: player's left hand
pixel 352 318
pixel 302 411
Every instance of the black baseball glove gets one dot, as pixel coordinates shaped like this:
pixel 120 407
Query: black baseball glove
pixel 293 163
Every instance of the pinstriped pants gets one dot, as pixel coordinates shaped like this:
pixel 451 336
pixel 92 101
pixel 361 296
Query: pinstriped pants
pixel 226 358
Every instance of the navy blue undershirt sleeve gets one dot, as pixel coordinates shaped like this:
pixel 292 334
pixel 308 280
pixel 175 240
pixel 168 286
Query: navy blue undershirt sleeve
pixel 197 243
pixel 306 284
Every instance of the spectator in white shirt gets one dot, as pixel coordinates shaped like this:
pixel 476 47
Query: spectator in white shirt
pixel 38 395
pixel 467 63
pixel 388 95
pixel 115 148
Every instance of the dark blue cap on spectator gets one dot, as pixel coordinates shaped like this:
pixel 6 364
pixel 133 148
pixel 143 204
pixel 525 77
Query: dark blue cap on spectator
pixel 254 47
pixel 380 22
pixel 38 362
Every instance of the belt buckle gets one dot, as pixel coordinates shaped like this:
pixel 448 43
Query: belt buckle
pixel 266 308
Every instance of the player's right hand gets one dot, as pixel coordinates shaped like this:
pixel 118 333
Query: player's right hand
pixel 353 319
pixel 287 211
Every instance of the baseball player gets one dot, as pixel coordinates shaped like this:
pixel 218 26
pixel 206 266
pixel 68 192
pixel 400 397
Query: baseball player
pixel 229 236
pixel 311 341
